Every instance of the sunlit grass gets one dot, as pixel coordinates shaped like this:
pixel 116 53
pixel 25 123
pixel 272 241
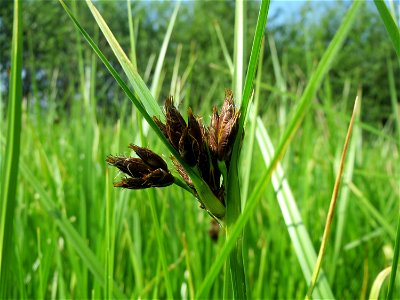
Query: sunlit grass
pixel 75 236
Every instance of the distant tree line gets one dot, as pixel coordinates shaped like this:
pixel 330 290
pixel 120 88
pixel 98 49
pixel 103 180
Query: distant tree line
pixel 50 45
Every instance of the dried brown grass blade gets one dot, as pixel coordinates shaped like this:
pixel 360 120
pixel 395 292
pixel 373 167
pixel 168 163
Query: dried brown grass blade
pixel 332 205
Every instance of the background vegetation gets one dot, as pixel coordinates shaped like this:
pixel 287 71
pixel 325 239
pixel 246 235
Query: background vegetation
pixel 74 115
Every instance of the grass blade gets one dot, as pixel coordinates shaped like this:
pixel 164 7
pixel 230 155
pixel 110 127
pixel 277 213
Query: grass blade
pixel 175 80
pixel 110 239
pixel 238 51
pixel 77 242
pixel 9 170
pixel 160 242
pixel 113 72
pixel 224 48
pixel 280 82
pixel 131 35
pixel 344 196
pixel 234 203
pixel 163 51
pixel 373 213
pixel 294 124
pixel 138 84
pixel 333 202
pixel 390 24
pixel 252 67
pixel 247 159
pixel 378 282
pixel 393 97
pixel 299 236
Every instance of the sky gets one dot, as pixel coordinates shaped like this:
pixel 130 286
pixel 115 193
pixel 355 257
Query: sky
pixel 286 8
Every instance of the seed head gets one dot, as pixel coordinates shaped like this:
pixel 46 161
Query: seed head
pixel 162 126
pixel 150 158
pixel 181 170
pixel 149 170
pixel 223 129
pixel 213 132
pixel 175 123
pixel 200 147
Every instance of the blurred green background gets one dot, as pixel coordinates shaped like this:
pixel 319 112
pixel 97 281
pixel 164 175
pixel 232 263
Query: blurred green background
pixel 74 115
pixel 301 29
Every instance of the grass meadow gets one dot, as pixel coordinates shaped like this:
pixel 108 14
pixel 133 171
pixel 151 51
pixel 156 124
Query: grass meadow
pixel 66 232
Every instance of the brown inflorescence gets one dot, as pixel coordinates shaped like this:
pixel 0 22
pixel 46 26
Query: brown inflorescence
pixel 199 146
pixel 149 170
pixel 224 128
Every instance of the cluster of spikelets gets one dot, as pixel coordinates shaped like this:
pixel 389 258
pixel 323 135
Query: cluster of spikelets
pixel 201 147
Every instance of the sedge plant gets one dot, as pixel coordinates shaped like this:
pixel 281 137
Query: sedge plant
pixel 192 143
pixel 201 155
pixel 188 141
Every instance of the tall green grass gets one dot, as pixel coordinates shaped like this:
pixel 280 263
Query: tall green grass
pixel 393 31
pixel 75 236
pixel 10 161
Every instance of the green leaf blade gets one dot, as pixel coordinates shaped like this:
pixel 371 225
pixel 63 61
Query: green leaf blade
pixel 9 170
pixel 390 25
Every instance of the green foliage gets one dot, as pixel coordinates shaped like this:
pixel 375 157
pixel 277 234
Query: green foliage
pixel 10 163
pixel 77 237
pixel 51 35
pixel 362 58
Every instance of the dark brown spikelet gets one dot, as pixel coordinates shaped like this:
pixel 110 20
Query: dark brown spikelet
pixel 192 141
pixel 159 178
pixel 223 129
pixel 149 157
pixel 194 128
pixel 185 148
pixel 132 183
pixel 213 132
pixel 161 125
pixel 149 170
pixel 203 150
pixel 227 110
pixel 181 170
pixel 227 137
pixel 175 124
pixel 203 164
pixel 131 166
pixel 204 161
pixel 205 155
